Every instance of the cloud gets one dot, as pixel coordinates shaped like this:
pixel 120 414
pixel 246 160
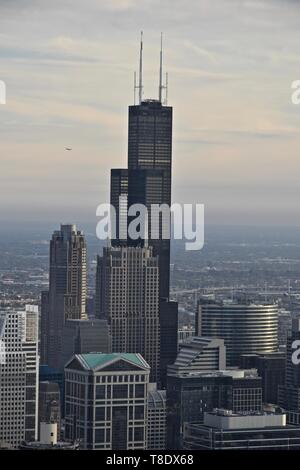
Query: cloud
pixel 201 52
pixel 69 68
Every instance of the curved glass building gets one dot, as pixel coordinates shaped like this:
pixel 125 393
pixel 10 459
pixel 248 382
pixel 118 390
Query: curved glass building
pixel 245 328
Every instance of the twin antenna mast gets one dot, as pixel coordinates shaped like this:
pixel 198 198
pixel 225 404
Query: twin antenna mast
pixel 161 87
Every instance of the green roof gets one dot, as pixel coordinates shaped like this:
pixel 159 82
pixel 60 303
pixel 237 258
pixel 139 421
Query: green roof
pixel 93 360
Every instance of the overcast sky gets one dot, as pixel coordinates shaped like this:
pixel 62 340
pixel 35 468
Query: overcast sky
pixel 68 67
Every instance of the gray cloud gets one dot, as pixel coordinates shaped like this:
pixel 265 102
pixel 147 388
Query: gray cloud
pixel 69 68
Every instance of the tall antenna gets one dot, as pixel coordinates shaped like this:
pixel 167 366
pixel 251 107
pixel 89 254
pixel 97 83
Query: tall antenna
pixel 160 88
pixel 141 70
pixel 134 88
pixel 166 87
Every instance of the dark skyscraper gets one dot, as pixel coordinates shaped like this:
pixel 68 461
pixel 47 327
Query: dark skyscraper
pixel 289 393
pixel 66 298
pixel 147 181
pixel 271 368
pixel 148 178
pixel 149 170
pixel 119 200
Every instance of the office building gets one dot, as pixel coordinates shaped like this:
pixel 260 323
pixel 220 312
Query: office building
pixel 245 328
pixel 168 316
pixel 285 319
pixel 150 165
pixel 56 376
pixel 246 391
pixel 18 376
pixel 147 181
pixel 200 354
pixel 289 393
pixel 225 430
pixel 49 440
pixel 119 200
pixel 271 369
pixel 185 332
pixel 66 298
pixel 129 291
pixel 157 420
pixel 106 401
pixel 84 336
pixel 191 394
pixel 50 404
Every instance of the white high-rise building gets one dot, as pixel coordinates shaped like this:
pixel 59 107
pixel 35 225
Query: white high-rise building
pixel 18 376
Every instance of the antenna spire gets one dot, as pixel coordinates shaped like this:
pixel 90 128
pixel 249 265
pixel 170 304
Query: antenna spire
pixel 141 71
pixel 134 88
pixel 166 87
pixel 160 88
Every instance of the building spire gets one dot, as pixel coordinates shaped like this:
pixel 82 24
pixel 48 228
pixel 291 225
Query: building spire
pixel 160 88
pixel 141 71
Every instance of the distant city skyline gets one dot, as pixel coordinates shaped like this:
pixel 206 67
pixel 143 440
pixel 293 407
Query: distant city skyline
pixel 68 68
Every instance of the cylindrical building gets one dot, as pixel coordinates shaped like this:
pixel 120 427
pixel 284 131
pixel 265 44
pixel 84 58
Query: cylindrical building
pixel 245 328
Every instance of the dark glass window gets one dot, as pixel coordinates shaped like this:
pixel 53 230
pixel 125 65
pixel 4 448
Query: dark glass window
pixel 120 391
pixel 139 434
pixel 139 412
pixel 119 428
pixel 100 413
pixel 99 436
pixel 139 390
pixel 100 391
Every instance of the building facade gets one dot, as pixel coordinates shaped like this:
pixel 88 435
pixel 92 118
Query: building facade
pixel 191 394
pixel 157 420
pixel 168 319
pixel 49 440
pixel 289 392
pixel 84 336
pixel 225 430
pixel 200 354
pixel 50 404
pixel 149 169
pixel 106 401
pixel 129 290
pixel 66 298
pixel 119 200
pixel 18 376
pixel 271 368
pixel 245 328
pixel 147 181
pixel 185 332
pixel 56 376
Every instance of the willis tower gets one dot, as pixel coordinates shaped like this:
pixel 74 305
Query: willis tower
pixel 147 180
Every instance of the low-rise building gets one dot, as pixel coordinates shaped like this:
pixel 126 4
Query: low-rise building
pixel 225 430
